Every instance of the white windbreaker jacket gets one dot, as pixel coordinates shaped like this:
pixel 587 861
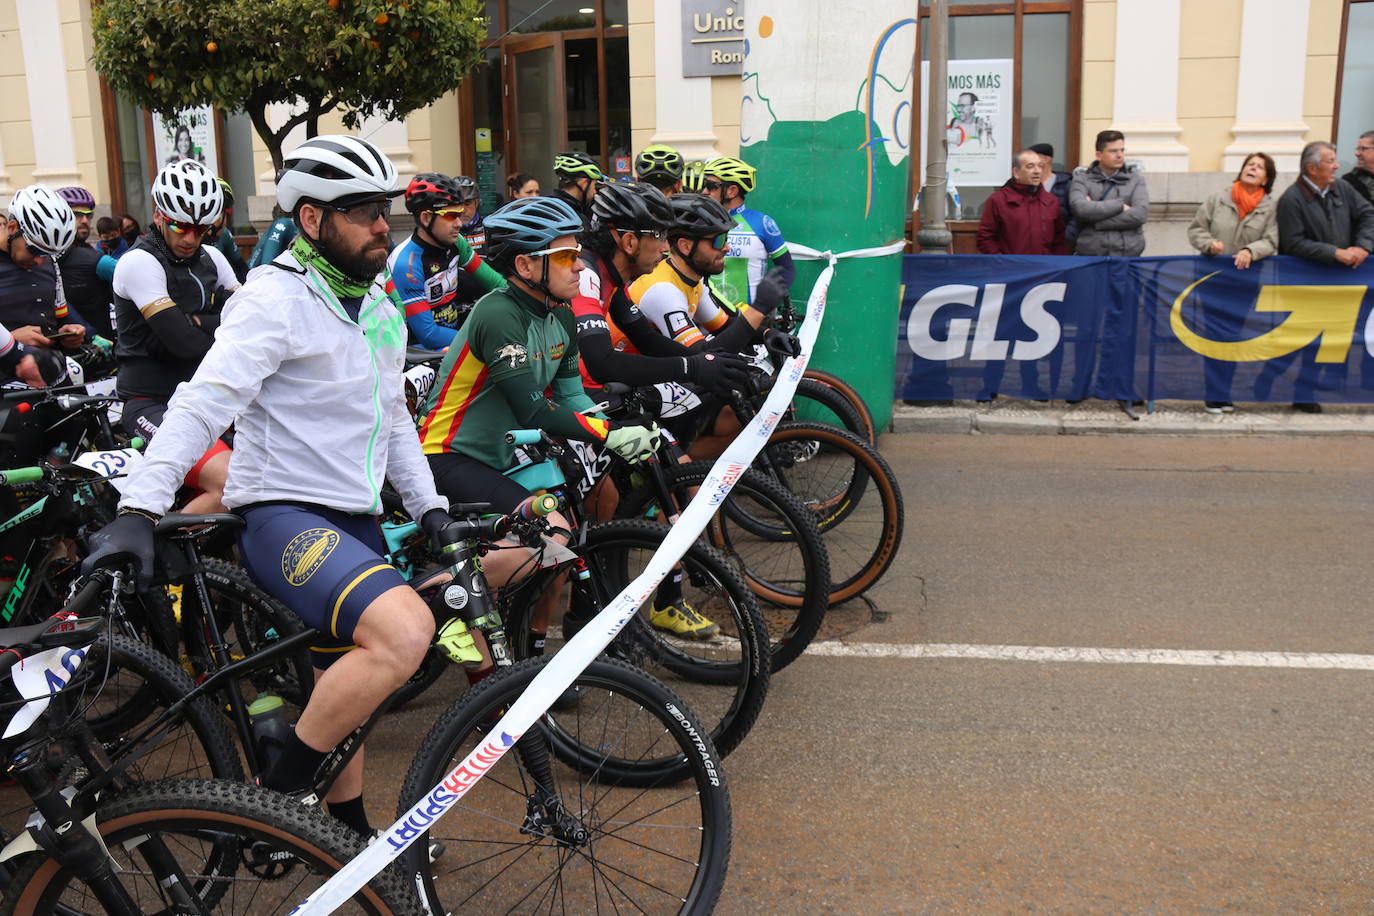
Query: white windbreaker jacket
pixel 318 402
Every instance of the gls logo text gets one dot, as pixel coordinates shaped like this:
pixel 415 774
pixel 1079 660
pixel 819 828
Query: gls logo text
pixel 985 343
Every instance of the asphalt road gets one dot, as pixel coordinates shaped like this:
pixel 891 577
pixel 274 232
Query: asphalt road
pixel 965 785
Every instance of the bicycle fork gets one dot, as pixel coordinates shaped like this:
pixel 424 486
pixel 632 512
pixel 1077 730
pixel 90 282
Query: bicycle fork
pixel 78 846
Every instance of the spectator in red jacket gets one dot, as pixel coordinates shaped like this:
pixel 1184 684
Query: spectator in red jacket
pixel 1021 217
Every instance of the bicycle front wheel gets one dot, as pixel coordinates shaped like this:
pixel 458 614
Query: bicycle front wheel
pixel 843 482
pixel 551 826
pixel 241 848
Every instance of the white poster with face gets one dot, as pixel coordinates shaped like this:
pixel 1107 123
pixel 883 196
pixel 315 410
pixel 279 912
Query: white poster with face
pixel 190 135
pixel 977 119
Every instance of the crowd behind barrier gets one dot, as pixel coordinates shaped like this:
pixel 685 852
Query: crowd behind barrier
pixel 1193 328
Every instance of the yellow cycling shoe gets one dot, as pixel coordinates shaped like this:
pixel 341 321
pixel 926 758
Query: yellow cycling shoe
pixel 681 619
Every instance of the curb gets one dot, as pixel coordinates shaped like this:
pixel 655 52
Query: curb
pixel 1101 418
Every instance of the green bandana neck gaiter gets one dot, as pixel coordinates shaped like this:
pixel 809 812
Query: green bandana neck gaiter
pixel 342 285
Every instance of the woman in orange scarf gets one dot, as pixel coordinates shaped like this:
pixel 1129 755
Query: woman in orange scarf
pixel 1241 221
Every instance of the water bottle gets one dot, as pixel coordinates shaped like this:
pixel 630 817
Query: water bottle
pixel 270 729
pixel 956 210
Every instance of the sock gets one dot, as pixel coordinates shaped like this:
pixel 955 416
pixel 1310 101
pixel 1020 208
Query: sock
pixel 353 814
pixel 295 769
pixel 537 640
pixel 670 590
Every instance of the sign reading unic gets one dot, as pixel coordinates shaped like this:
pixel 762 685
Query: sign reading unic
pixel 712 38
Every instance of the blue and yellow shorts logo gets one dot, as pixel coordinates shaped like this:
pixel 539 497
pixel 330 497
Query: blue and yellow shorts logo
pixel 307 553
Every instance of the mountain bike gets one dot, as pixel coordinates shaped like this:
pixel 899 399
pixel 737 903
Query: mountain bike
pixel 102 844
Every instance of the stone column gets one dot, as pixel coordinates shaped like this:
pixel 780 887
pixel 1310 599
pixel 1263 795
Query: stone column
pixel 50 110
pixel 684 118
pixel 1145 98
pixel 1269 91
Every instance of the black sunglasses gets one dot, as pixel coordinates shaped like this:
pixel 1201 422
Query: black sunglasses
pixel 366 213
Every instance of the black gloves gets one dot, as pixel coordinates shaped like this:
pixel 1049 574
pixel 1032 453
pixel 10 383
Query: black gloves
pixel 719 373
pixel 129 537
pixel 433 524
pixel 781 343
pixel 769 293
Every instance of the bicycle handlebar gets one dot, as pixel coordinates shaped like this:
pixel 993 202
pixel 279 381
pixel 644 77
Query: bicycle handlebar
pixel 524 437
pixel 20 475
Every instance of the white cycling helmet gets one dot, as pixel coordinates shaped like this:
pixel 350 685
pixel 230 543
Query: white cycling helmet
pixel 46 221
pixel 187 192
pixel 335 169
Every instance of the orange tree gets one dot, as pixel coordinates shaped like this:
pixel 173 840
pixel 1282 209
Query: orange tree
pixel 363 57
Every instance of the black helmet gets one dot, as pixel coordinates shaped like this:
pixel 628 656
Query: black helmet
pixel 432 191
pixel 696 216
pixel 467 188
pixel 631 207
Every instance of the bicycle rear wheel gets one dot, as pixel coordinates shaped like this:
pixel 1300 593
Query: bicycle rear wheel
pixel 773 539
pixel 850 394
pixel 841 480
pixel 583 837
pixel 242 848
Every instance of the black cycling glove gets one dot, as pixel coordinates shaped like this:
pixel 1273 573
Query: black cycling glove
pixel 128 538
pixel 433 524
pixel 718 373
pixel 769 293
pixel 781 343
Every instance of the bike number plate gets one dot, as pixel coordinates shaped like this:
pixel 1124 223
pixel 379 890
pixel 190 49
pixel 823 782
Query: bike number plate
pixel 37 678
pixel 114 464
pixel 677 399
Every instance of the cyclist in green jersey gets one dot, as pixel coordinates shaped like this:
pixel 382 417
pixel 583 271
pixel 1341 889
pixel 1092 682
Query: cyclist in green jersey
pixel 517 344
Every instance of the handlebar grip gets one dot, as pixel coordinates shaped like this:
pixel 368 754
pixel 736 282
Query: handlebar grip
pixel 524 436
pixel 21 475
pixel 537 506
pixel 138 442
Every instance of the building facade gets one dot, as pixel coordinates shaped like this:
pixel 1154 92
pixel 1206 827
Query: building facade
pixel 1194 84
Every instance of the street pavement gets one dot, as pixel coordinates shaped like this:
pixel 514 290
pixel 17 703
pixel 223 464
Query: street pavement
pixel 960 748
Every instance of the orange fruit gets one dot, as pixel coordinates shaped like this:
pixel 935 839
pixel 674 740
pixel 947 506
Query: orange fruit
pixel 211 46
pixel 382 19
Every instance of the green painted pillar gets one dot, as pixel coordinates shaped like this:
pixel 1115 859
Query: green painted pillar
pixel 826 119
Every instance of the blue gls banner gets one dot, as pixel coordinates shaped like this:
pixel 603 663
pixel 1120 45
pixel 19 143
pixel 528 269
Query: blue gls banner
pixel 1179 327
pixel 976 325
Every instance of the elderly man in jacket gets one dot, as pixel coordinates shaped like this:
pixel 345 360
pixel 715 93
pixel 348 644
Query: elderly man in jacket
pixel 1321 218
pixel 1021 217
pixel 1109 201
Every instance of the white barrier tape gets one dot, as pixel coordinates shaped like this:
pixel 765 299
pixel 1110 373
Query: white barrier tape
pixel 583 648
pixel 803 253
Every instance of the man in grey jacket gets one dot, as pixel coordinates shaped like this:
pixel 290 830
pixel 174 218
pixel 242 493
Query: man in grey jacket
pixel 1109 201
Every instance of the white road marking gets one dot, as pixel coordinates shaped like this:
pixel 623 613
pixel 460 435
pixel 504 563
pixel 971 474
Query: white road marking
pixel 1207 658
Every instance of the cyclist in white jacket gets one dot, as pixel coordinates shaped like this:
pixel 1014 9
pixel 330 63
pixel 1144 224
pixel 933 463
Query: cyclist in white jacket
pixel 307 364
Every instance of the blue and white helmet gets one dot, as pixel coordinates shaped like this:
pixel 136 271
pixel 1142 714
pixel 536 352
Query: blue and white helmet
pixel 45 220
pixel 187 192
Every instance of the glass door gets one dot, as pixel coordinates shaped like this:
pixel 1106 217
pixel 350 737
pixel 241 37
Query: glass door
pixel 538 119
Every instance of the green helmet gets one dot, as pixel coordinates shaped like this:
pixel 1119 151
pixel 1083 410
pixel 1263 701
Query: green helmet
pixel 577 165
pixel 693 176
pixel 730 170
pixel 660 162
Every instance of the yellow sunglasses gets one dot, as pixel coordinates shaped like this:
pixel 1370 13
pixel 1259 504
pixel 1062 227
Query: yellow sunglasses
pixel 566 256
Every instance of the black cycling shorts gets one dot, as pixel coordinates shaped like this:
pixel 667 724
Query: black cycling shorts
pixel 326 566
pixel 464 479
